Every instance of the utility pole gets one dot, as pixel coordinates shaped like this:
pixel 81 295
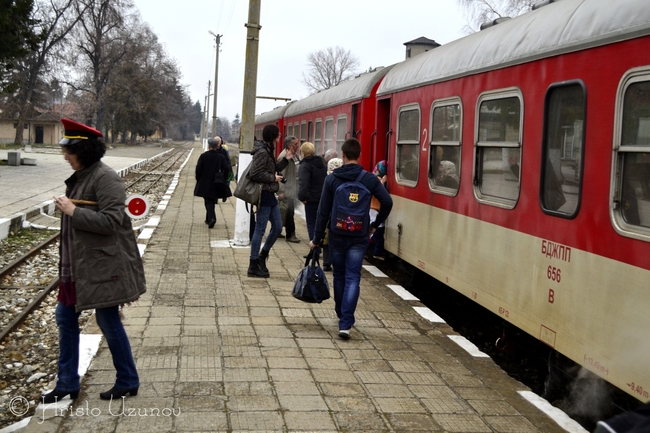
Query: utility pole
pixel 207 109
pixel 216 81
pixel 247 133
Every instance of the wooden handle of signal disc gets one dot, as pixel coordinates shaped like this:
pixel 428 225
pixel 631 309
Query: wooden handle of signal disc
pixel 87 202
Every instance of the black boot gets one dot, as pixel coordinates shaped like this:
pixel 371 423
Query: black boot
pixel 263 257
pixel 255 271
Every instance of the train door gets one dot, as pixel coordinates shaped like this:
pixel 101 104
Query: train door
pixel 382 136
pixel 354 127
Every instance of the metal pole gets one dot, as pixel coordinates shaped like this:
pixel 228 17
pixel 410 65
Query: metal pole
pixel 247 133
pixel 207 109
pixel 216 82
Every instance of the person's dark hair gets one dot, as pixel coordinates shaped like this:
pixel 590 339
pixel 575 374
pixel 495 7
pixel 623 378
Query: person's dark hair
pixel 270 133
pixel 88 151
pixel 288 141
pixel 351 149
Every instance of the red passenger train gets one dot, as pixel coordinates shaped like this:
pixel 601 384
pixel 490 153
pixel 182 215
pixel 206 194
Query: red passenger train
pixel 519 166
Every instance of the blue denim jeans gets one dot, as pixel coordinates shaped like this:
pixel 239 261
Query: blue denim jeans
pixel 108 319
pixel 263 216
pixel 346 254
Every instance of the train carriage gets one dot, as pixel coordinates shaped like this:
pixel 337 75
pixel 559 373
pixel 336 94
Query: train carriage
pixel 331 116
pixel 519 165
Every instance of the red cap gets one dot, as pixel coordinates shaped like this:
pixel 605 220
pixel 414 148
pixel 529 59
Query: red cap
pixel 77 131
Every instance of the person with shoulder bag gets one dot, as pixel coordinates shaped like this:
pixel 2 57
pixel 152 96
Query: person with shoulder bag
pixel 264 170
pixel 212 172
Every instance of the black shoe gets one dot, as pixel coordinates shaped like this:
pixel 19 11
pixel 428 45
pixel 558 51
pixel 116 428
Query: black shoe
pixel 255 271
pixel 211 223
pixel 54 396
pixel 281 236
pixel 327 268
pixel 261 261
pixel 344 334
pixel 115 393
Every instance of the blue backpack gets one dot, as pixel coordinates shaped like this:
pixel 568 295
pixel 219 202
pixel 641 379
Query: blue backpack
pixel 350 209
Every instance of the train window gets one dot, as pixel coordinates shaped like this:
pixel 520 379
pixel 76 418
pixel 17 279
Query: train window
pixel 329 135
pixel 290 133
pixel 303 131
pixel 318 137
pixel 498 148
pixel 561 174
pixel 444 156
pixel 296 130
pixel 631 192
pixel 341 132
pixel 408 144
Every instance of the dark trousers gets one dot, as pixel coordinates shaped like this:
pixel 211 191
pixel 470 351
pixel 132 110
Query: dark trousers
pixel 210 214
pixel 289 223
pixel 311 212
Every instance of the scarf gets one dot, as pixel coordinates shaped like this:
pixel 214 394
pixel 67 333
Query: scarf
pixel 67 294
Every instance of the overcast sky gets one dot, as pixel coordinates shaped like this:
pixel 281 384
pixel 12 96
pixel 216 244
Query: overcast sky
pixel 373 30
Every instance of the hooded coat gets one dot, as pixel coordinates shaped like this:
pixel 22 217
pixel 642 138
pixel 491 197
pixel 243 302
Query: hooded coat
pixel 346 173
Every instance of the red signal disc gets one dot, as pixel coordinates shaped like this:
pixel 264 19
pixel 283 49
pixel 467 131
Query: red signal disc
pixel 136 206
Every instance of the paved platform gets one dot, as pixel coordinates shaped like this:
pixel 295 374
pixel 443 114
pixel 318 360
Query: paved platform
pixel 220 352
pixel 27 189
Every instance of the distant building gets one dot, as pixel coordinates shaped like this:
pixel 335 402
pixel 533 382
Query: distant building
pixel 419 46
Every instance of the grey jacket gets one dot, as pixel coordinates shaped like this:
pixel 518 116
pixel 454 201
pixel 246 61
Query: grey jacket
pixel 290 187
pixel 108 267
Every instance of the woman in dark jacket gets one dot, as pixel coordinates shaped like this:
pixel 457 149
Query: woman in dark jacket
pixel 100 265
pixel 311 177
pixel 264 170
pixel 214 160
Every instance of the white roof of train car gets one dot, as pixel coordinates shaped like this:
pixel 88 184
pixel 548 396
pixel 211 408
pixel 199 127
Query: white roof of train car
pixel 560 27
pixel 273 115
pixel 347 91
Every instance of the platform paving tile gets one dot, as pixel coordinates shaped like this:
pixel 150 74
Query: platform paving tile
pixel 321 422
pixel 228 353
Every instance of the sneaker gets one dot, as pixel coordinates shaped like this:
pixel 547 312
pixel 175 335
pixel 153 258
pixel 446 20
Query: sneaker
pixel 293 239
pixel 344 334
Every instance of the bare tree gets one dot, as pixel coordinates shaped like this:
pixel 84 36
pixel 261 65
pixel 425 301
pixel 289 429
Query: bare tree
pixel 100 44
pixel 328 68
pixel 478 12
pixel 55 18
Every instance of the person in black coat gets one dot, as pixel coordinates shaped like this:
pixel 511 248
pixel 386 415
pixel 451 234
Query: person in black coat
pixel 311 177
pixel 210 162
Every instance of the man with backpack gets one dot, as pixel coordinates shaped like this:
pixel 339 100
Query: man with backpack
pixel 344 209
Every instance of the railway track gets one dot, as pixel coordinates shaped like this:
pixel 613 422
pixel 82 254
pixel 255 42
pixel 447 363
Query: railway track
pixel 28 332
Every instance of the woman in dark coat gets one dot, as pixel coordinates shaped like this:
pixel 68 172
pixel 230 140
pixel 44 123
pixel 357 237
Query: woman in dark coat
pixel 311 177
pixel 210 162
pixel 99 265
